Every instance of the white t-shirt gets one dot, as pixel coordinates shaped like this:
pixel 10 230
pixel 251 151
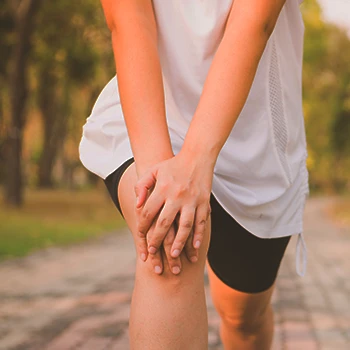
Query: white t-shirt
pixel 260 177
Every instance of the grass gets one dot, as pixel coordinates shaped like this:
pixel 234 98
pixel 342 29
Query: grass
pixel 59 218
pixel 55 218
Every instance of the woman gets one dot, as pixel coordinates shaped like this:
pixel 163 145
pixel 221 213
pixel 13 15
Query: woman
pixel 200 139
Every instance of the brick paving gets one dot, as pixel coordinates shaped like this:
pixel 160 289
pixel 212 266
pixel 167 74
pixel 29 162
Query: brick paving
pixel 79 297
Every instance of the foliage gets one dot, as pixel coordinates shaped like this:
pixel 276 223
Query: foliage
pixel 72 60
pixel 326 89
pixel 6 38
pixel 64 60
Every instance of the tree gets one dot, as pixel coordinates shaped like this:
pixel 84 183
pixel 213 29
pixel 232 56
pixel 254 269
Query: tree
pixel 340 124
pixel 326 81
pixel 66 58
pixel 24 13
pixel 6 37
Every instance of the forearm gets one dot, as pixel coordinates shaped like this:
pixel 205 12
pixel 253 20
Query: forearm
pixel 141 89
pixel 227 85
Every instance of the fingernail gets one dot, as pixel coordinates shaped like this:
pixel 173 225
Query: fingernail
pixel 152 250
pixel 143 256
pixel 197 244
pixel 176 270
pixel 176 253
pixel 194 259
pixel 157 269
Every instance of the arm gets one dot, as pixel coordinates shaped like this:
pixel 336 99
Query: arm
pixel 134 39
pixel 231 75
pixel 249 26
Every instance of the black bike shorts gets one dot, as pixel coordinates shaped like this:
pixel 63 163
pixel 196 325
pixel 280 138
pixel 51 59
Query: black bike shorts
pixel 241 260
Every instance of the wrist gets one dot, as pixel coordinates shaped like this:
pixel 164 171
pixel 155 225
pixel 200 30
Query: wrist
pixel 203 153
pixel 145 163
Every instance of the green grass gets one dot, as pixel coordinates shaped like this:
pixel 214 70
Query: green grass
pixel 55 218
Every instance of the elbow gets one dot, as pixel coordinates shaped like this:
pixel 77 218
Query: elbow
pixel 110 24
pixel 108 10
pixel 112 20
pixel 253 27
pixel 267 27
pixel 260 21
pixel 134 24
pixel 270 19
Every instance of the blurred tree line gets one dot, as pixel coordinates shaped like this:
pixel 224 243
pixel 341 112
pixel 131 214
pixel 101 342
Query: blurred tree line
pixel 56 57
pixel 326 101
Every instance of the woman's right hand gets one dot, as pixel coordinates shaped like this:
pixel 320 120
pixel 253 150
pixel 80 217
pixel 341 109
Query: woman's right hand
pixel 163 255
pixel 180 192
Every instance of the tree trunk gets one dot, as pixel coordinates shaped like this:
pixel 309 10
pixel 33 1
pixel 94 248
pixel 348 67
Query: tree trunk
pixel 48 106
pixel 54 111
pixel 2 139
pixel 24 23
pixel 47 161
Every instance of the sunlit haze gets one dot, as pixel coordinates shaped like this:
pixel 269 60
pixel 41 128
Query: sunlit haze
pixel 337 11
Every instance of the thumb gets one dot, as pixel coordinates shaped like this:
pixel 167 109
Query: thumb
pixel 145 183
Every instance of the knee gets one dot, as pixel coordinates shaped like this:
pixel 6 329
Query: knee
pixel 245 322
pixel 240 312
pixel 170 283
pixel 190 278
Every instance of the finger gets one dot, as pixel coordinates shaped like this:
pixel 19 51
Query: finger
pixel 202 215
pixel 138 212
pixel 174 263
pixel 147 214
pixel 163 224
pixel 145 183
pixel 191 252
pixel 156 261
pixel 185 226
pixel 141 246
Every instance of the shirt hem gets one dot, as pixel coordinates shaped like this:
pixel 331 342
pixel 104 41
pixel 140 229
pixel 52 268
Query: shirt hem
pixel 275 232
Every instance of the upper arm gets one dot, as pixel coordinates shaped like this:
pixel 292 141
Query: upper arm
pixel 255 14
pixel 120 13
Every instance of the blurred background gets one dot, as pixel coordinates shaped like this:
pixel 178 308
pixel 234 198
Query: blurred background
pixel 55 59
pixel 56 56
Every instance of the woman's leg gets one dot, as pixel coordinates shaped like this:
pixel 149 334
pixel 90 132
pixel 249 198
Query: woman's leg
pixel 246 318
pixel 242 272
pixel 167 311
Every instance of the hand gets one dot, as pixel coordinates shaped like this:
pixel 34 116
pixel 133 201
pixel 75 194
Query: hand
pixel 158 258
pixel 180 186
pixel 164 254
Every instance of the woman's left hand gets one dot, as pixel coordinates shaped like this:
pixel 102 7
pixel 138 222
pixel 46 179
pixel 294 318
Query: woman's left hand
pixel 181 188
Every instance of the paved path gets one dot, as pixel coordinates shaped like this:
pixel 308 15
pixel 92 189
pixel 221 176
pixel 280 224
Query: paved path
pixel 78 298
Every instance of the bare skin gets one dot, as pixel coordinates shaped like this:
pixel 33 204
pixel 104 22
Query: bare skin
pixel 167 311
pixel 141 93
pixel 168 306
pixel 246 319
